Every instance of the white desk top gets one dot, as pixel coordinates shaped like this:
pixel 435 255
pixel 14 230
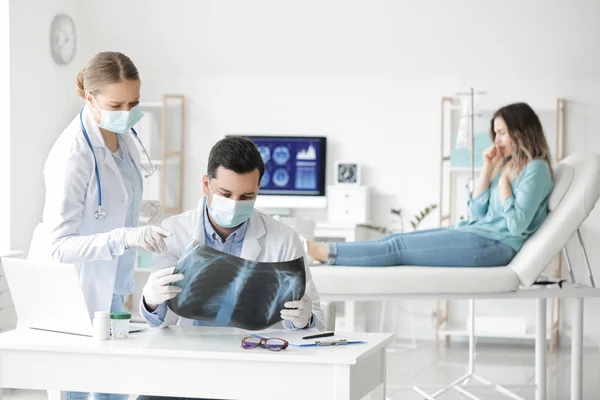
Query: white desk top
pixel 192 342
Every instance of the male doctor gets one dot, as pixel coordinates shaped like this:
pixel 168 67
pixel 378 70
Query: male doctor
pixel 227 221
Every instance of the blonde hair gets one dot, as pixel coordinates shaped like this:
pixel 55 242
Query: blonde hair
pixel 526 132
pixel 104 69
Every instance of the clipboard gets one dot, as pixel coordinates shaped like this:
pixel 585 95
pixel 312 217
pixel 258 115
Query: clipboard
pixel 294 339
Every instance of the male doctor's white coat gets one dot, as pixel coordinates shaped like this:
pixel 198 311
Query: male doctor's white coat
pixel 69 232
pixel 266 240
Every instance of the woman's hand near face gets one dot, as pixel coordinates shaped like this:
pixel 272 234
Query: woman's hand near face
pixel 492 156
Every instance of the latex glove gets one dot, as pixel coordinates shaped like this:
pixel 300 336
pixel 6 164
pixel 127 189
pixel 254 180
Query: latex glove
pixel 152 210
pixel 298 312
pixel 149 238
pixel 158 288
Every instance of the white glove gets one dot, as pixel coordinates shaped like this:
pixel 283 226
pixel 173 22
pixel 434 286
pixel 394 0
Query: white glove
pixel 158 289
pixel 298 312
pixel 152 210
pixel 150 238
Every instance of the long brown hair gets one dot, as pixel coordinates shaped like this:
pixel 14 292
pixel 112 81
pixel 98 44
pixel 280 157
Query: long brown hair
pixel 103 69
pixel 526 133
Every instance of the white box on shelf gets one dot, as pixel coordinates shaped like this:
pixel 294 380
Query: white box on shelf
pixel 347 203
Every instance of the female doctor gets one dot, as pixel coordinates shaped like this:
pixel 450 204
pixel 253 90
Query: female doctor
pixel 93 178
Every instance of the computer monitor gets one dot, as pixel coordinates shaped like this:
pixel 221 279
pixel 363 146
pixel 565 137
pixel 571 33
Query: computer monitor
pixel 294 171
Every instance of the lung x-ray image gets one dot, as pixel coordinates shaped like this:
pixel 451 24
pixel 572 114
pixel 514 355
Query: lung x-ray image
pixel 225 290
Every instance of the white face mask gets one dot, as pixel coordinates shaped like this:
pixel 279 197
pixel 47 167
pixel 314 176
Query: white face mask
pixel 229 213
pixel 119 122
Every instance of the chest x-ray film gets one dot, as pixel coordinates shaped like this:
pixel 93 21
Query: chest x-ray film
pixel 225 290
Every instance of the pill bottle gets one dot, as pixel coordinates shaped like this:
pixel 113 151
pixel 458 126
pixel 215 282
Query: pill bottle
pixel 101 325
pixel 119 325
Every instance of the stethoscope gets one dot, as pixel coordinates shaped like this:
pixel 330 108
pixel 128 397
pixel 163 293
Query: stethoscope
pixel 100 214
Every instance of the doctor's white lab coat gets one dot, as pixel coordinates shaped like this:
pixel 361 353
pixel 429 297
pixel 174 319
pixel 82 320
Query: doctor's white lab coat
pixel 69 232
pixel 266 240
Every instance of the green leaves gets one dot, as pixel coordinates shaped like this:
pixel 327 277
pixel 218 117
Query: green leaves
pixel 421 215
pixel 417 218
pixel 381 229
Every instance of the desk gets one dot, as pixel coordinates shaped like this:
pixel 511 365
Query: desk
pixel 204 362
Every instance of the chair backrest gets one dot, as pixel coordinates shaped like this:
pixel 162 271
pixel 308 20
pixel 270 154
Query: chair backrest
pixel 576 191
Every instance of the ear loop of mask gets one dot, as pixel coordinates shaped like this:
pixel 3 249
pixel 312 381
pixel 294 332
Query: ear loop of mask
pixel 95 102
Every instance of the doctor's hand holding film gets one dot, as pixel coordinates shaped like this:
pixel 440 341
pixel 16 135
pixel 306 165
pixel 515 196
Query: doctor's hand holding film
pixel 299 312
pixel 158 288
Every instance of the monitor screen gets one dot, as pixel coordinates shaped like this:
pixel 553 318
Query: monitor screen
pixel 294 165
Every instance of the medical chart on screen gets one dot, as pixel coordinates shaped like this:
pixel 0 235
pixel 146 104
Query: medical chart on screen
pixel 291 166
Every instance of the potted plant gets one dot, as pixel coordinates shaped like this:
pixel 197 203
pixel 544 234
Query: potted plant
pixel 397 212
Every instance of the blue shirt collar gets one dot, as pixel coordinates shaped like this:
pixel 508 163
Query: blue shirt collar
pixel 210 233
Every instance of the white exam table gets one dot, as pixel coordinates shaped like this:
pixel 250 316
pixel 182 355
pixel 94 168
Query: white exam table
pixel 577 189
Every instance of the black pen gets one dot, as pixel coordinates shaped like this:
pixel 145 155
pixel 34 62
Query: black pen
pixel 320 335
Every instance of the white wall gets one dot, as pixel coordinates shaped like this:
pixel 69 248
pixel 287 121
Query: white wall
pixel 350 69
pixel 369 75
pixel 43 102
pixel 4 127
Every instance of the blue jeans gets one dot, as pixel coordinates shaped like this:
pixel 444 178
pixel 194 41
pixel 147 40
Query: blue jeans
pixel 116 306
pixel 441 247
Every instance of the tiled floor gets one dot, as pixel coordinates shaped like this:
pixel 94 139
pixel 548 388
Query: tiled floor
pixel 499 363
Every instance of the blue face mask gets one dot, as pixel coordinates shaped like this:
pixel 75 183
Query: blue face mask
pixel 229 213
pixel 119 122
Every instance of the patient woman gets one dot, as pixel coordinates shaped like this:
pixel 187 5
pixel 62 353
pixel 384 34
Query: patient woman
pixel 508 204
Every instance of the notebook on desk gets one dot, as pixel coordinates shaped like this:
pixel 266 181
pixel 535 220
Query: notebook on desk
pixel 48 296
